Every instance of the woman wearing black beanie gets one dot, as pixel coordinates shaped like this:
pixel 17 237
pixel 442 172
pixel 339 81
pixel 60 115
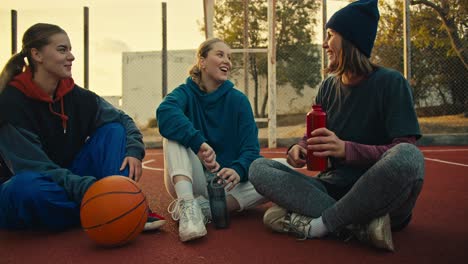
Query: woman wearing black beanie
pixel 375 171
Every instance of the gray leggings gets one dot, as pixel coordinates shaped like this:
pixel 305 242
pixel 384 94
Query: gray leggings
pixel 391 185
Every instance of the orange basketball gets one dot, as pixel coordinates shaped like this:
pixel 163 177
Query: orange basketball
pixel 113 211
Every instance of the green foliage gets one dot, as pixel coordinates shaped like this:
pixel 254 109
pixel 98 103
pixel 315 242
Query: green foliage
pixel 438 74
pixel 298 60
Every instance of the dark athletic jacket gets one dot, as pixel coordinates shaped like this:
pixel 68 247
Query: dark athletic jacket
pixel 44 134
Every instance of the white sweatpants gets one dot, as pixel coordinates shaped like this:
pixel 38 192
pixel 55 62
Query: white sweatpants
pixel 179 160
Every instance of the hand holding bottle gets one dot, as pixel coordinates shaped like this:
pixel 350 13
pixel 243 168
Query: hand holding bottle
pixel 230 176
pixel 218 203
pixel 324 143
pixel 315 118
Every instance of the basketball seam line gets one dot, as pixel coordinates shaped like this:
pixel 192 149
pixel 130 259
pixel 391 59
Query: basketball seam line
pixel 102 194
pixel 116 218
pixel 134 229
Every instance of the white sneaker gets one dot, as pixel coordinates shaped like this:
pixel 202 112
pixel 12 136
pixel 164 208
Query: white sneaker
pixel 191 220
pixel 281 220
pixel 377 233
pixel 205 208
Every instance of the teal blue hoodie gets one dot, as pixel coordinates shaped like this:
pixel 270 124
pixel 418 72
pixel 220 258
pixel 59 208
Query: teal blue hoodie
pixel 222 118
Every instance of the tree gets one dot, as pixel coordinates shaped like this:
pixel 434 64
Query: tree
pixel 453 17
pixel 297 57
pixel 438 75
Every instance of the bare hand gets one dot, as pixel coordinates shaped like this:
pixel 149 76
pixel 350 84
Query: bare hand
pixel 134 167
pixel 230 176
pixel 325 143
pixel 296 156
pixel 208 157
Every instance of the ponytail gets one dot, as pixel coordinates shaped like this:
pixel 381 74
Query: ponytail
pixel 195 73
pixel 13 67
pixel 37 36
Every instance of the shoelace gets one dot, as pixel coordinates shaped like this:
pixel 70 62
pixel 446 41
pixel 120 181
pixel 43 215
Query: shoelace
pixel 205 208
pixel 188 209
pixel 174 209
pixel 180 207
pixel 298 225
pixel 177 207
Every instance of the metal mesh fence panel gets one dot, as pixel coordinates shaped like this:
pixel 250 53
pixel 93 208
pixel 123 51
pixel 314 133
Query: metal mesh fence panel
pixel 438 75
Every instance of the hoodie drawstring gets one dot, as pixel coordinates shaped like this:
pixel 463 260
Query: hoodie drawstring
pixel 62 115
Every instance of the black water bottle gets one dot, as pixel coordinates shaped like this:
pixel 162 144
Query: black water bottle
pixel 218 205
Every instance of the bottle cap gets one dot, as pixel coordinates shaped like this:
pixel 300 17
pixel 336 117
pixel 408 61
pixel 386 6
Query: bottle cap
pixel 214 182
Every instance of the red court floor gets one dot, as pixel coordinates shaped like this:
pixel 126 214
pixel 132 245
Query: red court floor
pixel 437 234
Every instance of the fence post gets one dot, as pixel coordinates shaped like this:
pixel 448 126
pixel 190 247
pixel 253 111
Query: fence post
pixel 14 32
pixel 86 46
pixel 164 49
pixel 271 74
pixel 406 40
pixel 324 34
pixel 246 46
pixel 208 8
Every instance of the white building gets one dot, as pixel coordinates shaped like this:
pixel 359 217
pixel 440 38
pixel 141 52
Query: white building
pixel 142 84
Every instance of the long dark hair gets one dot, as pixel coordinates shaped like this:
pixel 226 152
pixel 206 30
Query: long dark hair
pixel 37 36
pixel 351 62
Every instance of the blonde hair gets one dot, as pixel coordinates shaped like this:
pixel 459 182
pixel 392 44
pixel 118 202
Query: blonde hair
pixel 202 52
pixel 37 36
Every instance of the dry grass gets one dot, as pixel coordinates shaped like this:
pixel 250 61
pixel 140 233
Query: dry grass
pixel 448 124
pixel 444 124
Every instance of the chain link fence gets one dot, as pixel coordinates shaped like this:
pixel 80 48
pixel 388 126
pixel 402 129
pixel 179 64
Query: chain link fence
pixel 438 77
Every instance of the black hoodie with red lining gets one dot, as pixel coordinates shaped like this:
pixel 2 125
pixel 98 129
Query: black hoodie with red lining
pixel 60 125
pixel 27 86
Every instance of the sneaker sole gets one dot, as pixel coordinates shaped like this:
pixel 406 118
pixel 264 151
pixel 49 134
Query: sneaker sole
pixel 193 236
pixel 154 225
pixel 382 237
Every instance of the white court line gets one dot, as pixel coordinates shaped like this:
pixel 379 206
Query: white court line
pixel 425 150
pixel 282 152
pixel 436 160
pixel 447 162
pixel 150 168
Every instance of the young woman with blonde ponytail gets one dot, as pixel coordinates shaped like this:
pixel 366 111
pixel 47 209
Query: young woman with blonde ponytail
pixel 56 137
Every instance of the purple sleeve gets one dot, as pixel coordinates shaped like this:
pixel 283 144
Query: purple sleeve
pixel 302 142
pixel 360 154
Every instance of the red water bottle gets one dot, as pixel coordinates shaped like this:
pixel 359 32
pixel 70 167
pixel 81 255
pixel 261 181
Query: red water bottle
pixel 316 118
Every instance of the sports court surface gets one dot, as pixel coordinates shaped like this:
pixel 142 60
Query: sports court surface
pixel 437 234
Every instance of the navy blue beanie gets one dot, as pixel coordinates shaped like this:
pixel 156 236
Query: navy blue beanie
pixel 357 22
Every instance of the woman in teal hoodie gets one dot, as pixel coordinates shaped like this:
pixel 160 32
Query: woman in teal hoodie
pixel 208 127
pixel 56 138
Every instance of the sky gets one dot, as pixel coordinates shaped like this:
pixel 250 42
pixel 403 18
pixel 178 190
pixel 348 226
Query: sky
pixel 116 26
